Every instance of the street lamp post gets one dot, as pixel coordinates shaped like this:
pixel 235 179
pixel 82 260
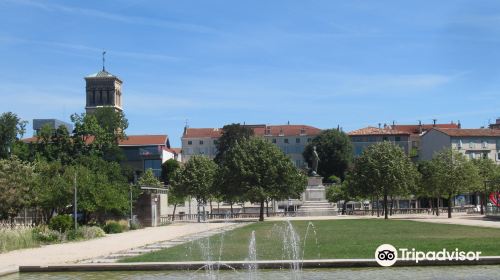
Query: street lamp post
pixel 75 202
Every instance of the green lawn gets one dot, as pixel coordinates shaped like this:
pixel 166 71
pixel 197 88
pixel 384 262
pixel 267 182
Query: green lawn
pixel 335 239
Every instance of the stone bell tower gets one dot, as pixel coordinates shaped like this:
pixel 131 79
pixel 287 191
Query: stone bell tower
pixel 103 90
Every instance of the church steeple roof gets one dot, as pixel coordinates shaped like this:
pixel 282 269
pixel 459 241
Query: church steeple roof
pixel 101 74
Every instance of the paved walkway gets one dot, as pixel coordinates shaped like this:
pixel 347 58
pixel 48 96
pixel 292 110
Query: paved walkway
pixel 77 251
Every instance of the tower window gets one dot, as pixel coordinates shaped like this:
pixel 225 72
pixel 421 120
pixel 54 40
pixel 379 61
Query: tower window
pixel 93 97
pixel 108 98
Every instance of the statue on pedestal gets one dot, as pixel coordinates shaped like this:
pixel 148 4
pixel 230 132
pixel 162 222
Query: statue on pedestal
pixel 315 161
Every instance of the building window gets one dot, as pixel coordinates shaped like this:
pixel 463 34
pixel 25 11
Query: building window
pixel 485 155
pixel 398 138
pixel 485 144
pixel 274 140
pixel 309 140
pixel 498 156
pixel 385 138
pixel 201 142
pixel 155 165
pixel 286 140
pixel 471 155
pixel 297 140
pixel 216 142
pixel 471 144
pixel 190 142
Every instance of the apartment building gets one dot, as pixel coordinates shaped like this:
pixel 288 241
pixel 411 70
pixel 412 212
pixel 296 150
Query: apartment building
pixel 473 143
pixel 291 139
pixel 364 137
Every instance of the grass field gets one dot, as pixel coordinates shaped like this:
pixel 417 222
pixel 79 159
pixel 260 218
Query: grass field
pixel 335 239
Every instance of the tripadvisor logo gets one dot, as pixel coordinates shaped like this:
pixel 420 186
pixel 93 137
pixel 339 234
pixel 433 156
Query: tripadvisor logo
pixel 387 255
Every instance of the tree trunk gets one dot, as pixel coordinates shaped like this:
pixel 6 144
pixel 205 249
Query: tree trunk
pixel 483 202
pixel 372 206
pixel 392 204
pixel 173 213
pixel 267 208
pixel 449 205
pixel 431 205
pixel 232 210
pixel 344 207
pixel 261 215
pixel 211 210
pixel 378 207
pixel 385 207
pixel 437 207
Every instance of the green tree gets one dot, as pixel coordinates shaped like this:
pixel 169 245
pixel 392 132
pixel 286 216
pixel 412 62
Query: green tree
pixel 454 174
pixel 100 132
pixel 12 128
pixel 103 190
pixel 383 169
pixel 334 149
pixel 489 174
pixel 148 179
pixel 231 134
pixel 168 169
pixel 196 178
pixel 262 172
pixel 177 192
pixel 16 184
pixel 339 192
pixel 52 192
pixel 428 186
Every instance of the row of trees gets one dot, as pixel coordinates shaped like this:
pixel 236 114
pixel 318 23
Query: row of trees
pixel 385 171
pixel 42 174
pixel 246 168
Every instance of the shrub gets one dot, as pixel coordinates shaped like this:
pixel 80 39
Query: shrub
pixel 135 225
pixel 45 235
pixel 113 227
pixel 18 238
pixel 61 223
pixel 87 232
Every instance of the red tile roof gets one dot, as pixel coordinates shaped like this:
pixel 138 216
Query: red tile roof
pixel 474 132
pixel 370 130
pixel 415 128
pixel 131 140
pixel 259 130
pixel 202 132
pixel 143 140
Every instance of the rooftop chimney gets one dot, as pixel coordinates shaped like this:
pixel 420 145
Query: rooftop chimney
pixel 459 124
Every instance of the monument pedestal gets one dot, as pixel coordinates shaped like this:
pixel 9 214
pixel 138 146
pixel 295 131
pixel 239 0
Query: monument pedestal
pixel 314 199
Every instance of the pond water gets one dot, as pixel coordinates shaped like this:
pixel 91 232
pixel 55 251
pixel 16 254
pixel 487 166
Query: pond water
pixel 444 272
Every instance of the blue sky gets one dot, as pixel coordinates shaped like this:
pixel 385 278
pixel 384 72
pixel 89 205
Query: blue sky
pixel 321 63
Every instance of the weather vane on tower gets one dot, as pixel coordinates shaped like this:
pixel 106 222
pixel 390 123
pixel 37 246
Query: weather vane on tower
pixel 103 61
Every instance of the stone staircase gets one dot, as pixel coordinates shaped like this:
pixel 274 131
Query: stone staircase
pixel 317 208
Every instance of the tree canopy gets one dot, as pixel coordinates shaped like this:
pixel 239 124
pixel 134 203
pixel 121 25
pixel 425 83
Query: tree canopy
pixel 260 171
pixel 17 179
pixel 384 170
pixel 231 134
pixel 196 178
pixel 452 174
pixel 334 149
pixel 12 128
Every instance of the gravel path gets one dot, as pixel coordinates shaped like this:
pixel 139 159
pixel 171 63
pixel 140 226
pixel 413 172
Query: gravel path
pixel 78 251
